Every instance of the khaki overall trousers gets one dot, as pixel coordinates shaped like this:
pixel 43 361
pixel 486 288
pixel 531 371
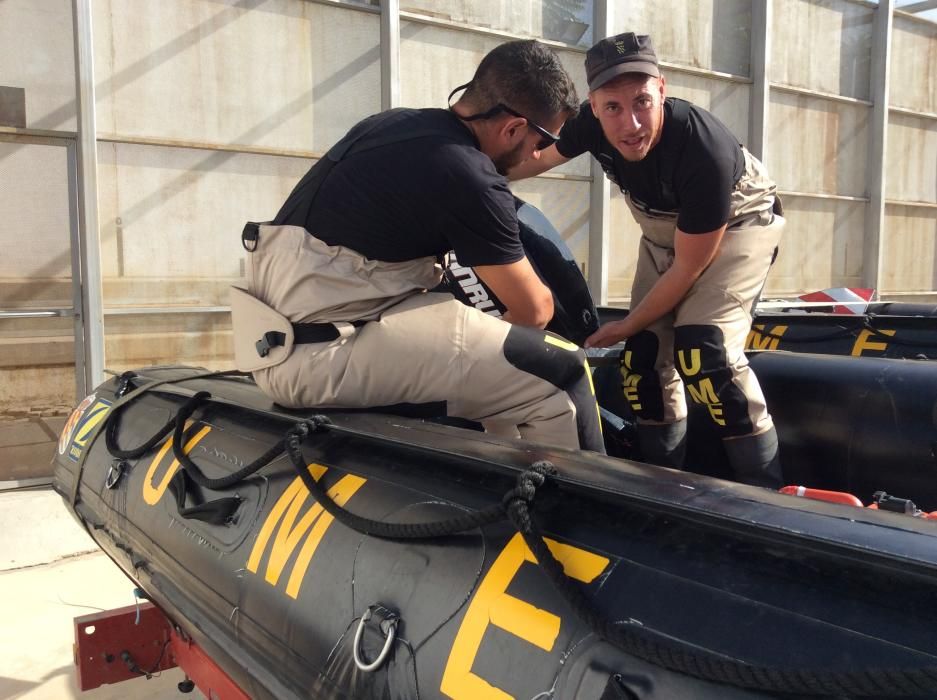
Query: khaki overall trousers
pixel 700 344
pixel 416 347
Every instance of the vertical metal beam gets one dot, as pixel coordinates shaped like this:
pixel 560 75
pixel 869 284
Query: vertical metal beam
pixel 760 59
pixel 82 388
pixel 599 190
pixel 390 54
pixel 878 137
pixel 92 304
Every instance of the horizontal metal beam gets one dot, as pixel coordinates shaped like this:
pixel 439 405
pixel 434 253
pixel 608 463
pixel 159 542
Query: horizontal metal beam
pixel 209 146
pixel 831 96
pixel 912 113
pixel 37 136
pixel 145 310
pixel 821 195
pixel 36 313
pixel 922 6
pixel 916 205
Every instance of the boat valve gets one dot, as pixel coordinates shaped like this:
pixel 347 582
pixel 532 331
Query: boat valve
pixel 388 627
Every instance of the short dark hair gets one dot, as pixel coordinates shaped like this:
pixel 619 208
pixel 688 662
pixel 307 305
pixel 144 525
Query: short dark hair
pixel 527 76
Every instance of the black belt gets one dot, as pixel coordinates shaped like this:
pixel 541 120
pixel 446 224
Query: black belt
pixel 302 333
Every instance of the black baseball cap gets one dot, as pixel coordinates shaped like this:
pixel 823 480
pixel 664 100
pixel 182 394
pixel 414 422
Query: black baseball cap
pixel 620 54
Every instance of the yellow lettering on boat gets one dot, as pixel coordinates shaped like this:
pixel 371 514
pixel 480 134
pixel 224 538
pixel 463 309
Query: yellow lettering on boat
pixel 288 535
pixel 151 493
pixel 760 339
pixel 863 343
pixel 492 605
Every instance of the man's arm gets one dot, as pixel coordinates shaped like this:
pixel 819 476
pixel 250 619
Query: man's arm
pixel 529 301
pixel 692 254
pixel 539 162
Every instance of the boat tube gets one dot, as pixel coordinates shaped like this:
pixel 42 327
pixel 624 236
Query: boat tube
pixel 354 554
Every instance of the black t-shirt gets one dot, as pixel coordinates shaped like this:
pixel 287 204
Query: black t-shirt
pixel 691 171
pixel 414 198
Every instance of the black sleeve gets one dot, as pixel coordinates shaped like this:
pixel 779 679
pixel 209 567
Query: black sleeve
pixel 580 134
pixel 704 179
pixel 481 223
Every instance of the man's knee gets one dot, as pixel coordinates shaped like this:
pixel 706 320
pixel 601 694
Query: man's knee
pixel 701 359
pixel 564 365
pixel 640 382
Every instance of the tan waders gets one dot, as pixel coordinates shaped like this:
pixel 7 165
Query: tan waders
pixel 700 345
pixel 414 347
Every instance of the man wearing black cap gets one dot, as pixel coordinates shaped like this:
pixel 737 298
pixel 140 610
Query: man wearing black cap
pixel 711 223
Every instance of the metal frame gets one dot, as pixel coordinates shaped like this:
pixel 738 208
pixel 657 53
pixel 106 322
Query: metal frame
pixel 600 203
pixel 89 248
pixel 878 143
pixel 390 54
pixel 761 87
pixel 126 643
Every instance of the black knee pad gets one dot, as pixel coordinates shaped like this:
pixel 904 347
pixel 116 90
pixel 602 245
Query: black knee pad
pixel 563 364
pixel 700 357
pixel 640 384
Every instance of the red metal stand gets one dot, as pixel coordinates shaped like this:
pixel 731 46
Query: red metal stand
pixel 125 643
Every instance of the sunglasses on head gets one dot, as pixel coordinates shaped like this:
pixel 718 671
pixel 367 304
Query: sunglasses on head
pixel 547 138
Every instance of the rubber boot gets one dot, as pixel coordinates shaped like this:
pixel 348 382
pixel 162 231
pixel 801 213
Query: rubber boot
pixel 663 445
pixel 755 459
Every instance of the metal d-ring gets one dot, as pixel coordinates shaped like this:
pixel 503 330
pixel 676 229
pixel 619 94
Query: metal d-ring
pixel 388 627
pixel 114 472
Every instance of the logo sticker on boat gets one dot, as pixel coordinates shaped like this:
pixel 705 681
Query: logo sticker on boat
pixel 80 424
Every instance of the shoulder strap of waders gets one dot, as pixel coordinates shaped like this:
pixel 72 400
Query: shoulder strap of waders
pixel 680 110
pixel 361 138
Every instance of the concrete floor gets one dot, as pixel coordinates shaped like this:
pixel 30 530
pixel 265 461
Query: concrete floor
pixel 50 573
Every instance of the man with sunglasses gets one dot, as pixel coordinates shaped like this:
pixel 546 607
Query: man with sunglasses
pixel 710 221
pixel 345 266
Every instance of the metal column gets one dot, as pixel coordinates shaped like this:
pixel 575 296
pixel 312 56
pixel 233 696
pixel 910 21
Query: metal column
pixel 390 54
pixel 599 191
pixel 92 304
pixel 760 58
pixel 878 137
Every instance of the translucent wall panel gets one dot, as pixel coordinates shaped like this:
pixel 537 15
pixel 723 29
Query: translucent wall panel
pixel 817 145
pixel 38 55
pixel 279 75
pixel 37 356
pixel 140 340
pixel 913 83
pixel 821 246
pixel 566 204
pixel 909 250
pixel 727 100
pixel 569 21
pixel 624 235
pixel 911 163
pixel 822 45
pixel 698 33
pixel 171 219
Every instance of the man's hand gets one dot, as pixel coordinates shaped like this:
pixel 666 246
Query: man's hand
pixel 608 334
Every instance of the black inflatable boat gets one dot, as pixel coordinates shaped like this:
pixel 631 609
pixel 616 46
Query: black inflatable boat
pixel 366 555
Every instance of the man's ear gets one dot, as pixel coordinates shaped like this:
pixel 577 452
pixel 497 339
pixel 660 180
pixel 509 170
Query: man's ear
pixel 592 100
pixel 663 87
pixel 512 127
